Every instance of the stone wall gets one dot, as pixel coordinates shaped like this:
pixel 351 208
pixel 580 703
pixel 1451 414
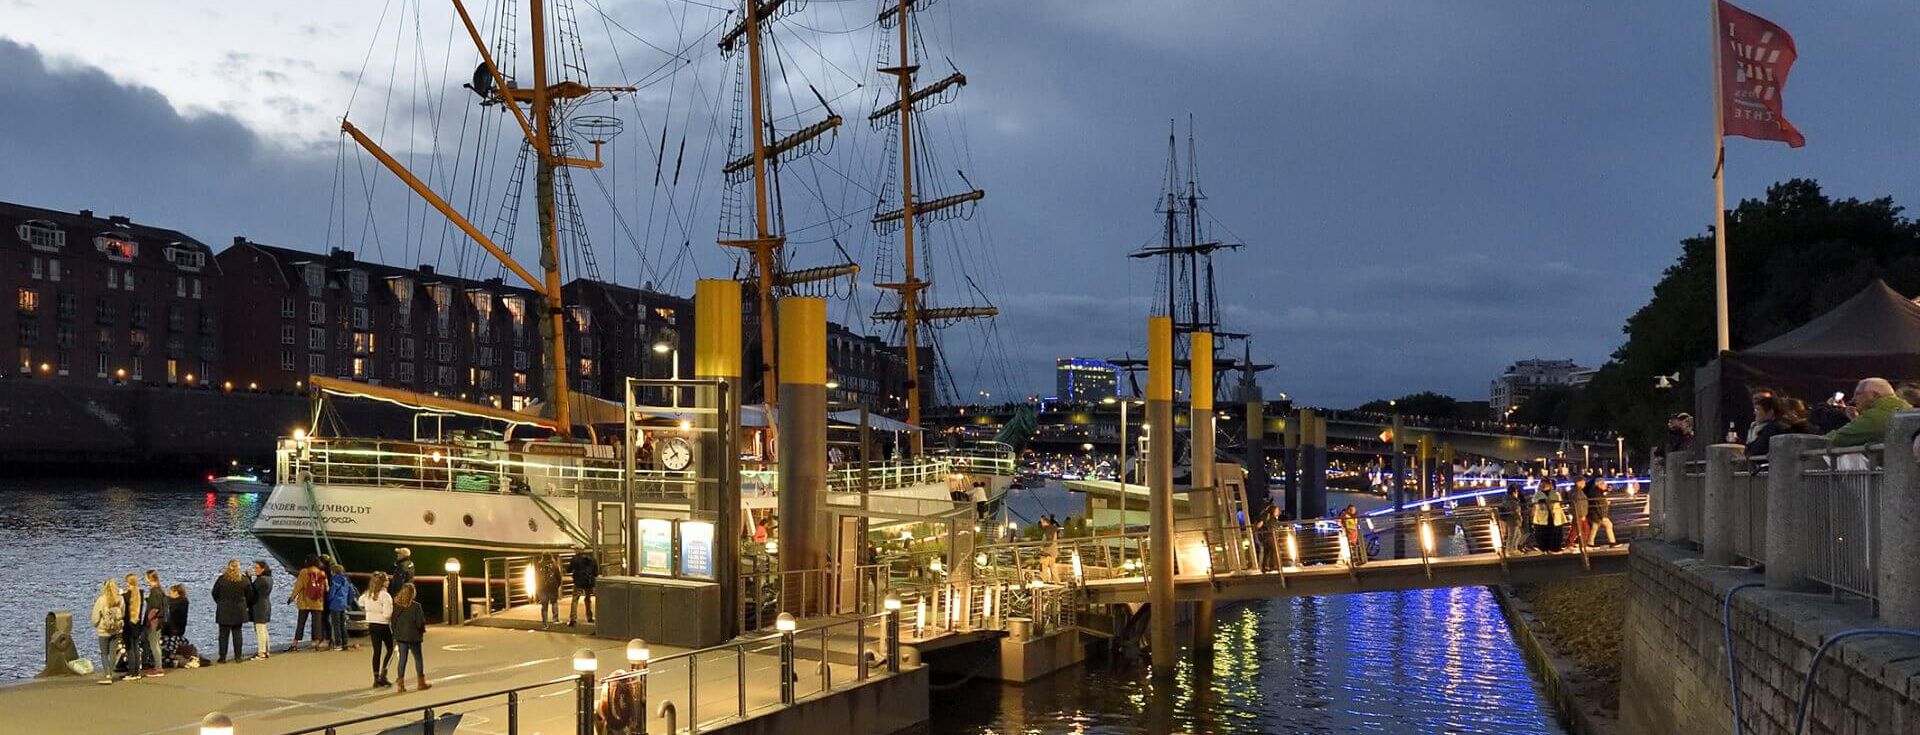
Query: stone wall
pixel 1674 669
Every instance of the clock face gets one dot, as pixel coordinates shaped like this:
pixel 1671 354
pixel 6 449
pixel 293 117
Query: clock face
pixel 675 453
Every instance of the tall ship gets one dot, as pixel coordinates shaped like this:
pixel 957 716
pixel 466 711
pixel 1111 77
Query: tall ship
pixel 470 481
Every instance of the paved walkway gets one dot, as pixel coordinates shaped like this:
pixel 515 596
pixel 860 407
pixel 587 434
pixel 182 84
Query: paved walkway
pixel 294 690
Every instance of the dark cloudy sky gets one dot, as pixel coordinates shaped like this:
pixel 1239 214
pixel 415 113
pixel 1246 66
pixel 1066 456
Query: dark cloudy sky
pixel 1428 190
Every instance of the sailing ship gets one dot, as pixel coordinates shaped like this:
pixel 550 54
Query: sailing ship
pixel 475 481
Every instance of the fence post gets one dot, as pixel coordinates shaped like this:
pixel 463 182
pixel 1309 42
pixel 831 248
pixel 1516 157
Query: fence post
pixel 1898 576
pixel 1718 510
pixel 1673 503
pixel 1792 547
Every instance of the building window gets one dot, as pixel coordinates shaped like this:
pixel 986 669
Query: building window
pixel 286 334
pixel 29 301
pixel 486 355
pixel 196 288
pixel 106 340
pixel 586 366
pixel 445 350
pixel 286 307
pixel 206 320
pixel 180 287
pixel 176 345
pixel 357 284
pixel 286 360
pixel 26 360
pixel 317 364
pixel 359 368
pixel 42 235
pixel 116 248
pixel 519 359
pixel 36 269
pixel 446 375
pixel 406 372
pixel 139 370
pixel 100 365
pixel 128 280
pixel 360 320
pixel 29 332
pixel 315 277
pixel 68 305
pixel 53 269
pixel 176 318
pixel 63 337
pixel 316 312
pixel 316 338
pixel 137 340
pixel 363 343
pixel 137 316
pixel 113 278
pixel 63 361
pixel 520 382
pixel 173 371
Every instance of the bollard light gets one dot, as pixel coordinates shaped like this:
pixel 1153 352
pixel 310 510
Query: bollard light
pixel 216 723
pixel 638 653
pixel 453 565
pixel 785 623
pixel 936 565
pixel 1293 548
pixel 1494 527
pixel 585 664
pixel 892 603
pixel 584 661
pixel 1426 537
pixel 773 546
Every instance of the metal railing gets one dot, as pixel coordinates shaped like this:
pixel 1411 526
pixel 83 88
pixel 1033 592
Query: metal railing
pixel 447 466
pixel 1848 482
pixel 763 674
pixel 516 579
pixel 441 716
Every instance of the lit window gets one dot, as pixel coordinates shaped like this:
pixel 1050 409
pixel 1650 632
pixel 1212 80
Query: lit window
pixel 29 301
pixel 116 248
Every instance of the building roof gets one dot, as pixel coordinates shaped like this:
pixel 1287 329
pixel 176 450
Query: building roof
pixel 289 261
pixel 82 227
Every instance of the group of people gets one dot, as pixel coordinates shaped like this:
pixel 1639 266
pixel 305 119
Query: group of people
pixel 1541 520
pixel 143 625
pixel 585 571
pixel 1847 423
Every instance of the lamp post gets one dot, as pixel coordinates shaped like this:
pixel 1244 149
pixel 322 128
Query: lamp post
pixel 453 595
pixel 638 654
pixel 1620 454
pixel 662 348
pixel 786 625
pixel 892 605
pixel 585 665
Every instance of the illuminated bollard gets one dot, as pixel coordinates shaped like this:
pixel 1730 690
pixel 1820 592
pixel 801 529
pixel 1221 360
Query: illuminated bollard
pixel 584 664
pixel 786 625
pixel 892 605
pixel 638 653
pixel 216 723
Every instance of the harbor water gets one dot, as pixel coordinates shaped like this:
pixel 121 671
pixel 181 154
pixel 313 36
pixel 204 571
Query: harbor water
pixel 1434 661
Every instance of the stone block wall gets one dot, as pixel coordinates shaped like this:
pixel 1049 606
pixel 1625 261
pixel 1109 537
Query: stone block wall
pixel 1674 668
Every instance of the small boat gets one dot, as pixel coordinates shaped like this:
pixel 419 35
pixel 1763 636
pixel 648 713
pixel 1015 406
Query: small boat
pixel 242 481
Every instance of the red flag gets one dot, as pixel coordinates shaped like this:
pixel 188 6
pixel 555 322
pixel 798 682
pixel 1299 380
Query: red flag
pixel 1755 56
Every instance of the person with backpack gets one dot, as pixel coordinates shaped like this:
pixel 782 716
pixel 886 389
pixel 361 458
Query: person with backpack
pixel 339 599
pixel 586 571
pixel 260 606
pixel 230 608
pixel 409 623
pixel 548 595
pixel 379 607
pixel 109 621
pixel 309 598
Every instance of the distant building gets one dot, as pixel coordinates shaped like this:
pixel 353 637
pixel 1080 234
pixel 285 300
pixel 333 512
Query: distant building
pixel 106 299
pixel 1526 377
pixel 292 314
pixel 615 332
pixel 1083 380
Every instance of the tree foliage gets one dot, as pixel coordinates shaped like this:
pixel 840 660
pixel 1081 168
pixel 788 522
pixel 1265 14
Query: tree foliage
pixel 1424 403
pixel 1790 258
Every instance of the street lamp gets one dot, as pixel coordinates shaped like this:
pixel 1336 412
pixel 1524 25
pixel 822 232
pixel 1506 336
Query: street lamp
pixel 216 723
pixel 638 653
pixel 585 665
pixel 785 624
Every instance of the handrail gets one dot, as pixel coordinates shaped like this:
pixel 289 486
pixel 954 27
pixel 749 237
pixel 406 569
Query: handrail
pixel 510 692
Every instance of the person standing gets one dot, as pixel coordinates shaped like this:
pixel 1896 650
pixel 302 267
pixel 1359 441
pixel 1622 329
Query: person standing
pixel 309 598
pixel 1511 508
pixel 1350 526
pixel 154 617
pixel 1539 516
pixel 109 621
pixel 1556 519
pixel 230 608
pixel 260 607
pixel 379 607
pixel 132 640
pixel 586 572
pixel 177 650
pixel 1597 516
pixel 409 624
pixel 547 570
pixel 1578 493
pixel 402 570
pixel 339 598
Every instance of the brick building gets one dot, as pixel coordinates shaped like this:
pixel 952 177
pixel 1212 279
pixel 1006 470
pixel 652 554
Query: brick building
pixel 292 313
pixel 106 299
pixel 613 332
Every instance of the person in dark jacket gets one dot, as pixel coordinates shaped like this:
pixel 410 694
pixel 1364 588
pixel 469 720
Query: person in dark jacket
pixel 132 630
pixel 154 618
pixel 586 571
pixel 230 607
pixel 409 626
pixel 1597 516
pixel 402 570
pixel 1776 415
pixel 547 568
pixel 179 652
pixel 260 605
pixel 340 594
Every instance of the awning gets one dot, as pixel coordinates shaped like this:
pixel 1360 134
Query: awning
pixel 422 401
pixel 585 410
pixel 874 420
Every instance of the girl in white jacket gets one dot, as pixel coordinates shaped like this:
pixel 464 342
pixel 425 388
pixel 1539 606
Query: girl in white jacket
pixel 379 608
pixel 109 620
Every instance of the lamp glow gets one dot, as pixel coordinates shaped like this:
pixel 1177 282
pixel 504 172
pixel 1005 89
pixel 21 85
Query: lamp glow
pixel 584 661
pixel 453 565
pixel 1426 537
pixel 785 623
pixel 892 603
pixel 661 348
pixel 299 434
pixel 216 723
pixel 773 546
pixel 833 385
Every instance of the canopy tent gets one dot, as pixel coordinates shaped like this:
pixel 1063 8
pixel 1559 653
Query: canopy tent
pixel 1876 333
pixel 874 421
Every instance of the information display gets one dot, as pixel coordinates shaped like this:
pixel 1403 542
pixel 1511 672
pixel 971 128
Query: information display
pixel 696 549
pixel 656 546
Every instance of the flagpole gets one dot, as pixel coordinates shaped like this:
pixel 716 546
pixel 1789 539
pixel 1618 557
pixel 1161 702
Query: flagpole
pixel 1722 343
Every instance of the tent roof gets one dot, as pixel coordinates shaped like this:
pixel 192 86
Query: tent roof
pixel 874 420
pixel 1876 321
pixel 586 410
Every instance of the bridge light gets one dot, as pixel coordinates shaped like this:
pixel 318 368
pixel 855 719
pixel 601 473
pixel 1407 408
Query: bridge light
pixel 1426 536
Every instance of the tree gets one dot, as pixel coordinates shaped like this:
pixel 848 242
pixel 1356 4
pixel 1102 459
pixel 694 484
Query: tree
pixel 1551 406
pixel 1424 403
pixel 1790 258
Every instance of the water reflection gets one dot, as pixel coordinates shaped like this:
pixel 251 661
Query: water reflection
pixel 1428 661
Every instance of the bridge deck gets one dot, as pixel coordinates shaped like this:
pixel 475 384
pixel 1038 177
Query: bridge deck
pixel 1374 576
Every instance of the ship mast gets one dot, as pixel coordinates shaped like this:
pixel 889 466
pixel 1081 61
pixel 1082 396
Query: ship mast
pixel 538 131
pixel 912 313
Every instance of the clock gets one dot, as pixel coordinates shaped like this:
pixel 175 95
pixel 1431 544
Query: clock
pixel 675 453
